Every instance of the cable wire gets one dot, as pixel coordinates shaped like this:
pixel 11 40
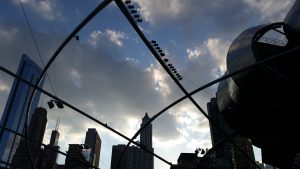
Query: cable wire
pixel 36 45
pixel 48 77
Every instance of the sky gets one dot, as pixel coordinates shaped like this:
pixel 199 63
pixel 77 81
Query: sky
pixel 110 74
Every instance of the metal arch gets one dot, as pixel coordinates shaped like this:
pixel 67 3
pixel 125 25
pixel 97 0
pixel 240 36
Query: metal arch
pixel 82 113
pixel 101 6
pixel 65 43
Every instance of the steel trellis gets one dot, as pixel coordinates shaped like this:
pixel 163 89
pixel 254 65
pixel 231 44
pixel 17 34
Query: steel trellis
pixel 259 63
pixel 188 95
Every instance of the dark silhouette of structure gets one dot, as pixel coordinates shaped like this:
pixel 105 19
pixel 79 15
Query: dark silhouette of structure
pixel 135 158
pixel 227 155
pixel 82 155
pixel 36 132
pixel 146 140
pixel 93 141
pixel 13 116
pixel 48 157
pixel 261 103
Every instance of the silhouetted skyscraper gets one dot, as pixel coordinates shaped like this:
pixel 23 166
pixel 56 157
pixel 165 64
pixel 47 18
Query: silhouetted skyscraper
pixel 15 110
pixel 80 153
pixel 93 140
pixel 36 132
pixel 134 157
pixel 54 138
pixel 146 140
pixel 229 156
pixel 49 154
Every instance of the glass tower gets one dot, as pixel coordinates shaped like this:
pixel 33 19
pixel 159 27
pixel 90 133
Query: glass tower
pixel 14 113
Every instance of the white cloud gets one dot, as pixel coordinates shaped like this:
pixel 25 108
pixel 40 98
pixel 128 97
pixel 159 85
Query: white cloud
pixel 160 79
pixel 76 77
pixel 115 37
pixel 154 9
pixel 3 88
pixel 196 52
pixel 45 7
pixel 274 10
pixel 7 35
pixel 94 37
pixel 216 48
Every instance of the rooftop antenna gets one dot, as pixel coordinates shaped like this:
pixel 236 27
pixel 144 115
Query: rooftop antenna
pixel 57 123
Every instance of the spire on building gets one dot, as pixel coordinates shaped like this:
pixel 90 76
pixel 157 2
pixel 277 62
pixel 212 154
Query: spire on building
pixel 57 123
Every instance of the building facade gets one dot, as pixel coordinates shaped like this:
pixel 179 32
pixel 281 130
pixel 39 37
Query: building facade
pixel 36 132
pixel 227 155
pixel 50 155
pixel 93 141
pixel 146 140
pixel 14 113
pixel 134 157
pixel 81 154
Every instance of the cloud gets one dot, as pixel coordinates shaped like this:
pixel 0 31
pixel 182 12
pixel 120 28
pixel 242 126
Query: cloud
pixel 3 87
pixel 193 16
pixel 196 52
pixel 76 77
pixel 47 8
pixel 116 37
pixel 218 48
pixel 7 34
pixel 113 36
pixel 215 48
pixel 151 10
pixel 271 11
pixel 160 79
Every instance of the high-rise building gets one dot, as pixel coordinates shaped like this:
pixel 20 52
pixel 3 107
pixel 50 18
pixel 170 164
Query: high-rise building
pixel 82 155
pixel 50 156
pixel 36 132
pixel 93 141
pixel 146 140
pixel 134 157
pixel 14 113
pixel 227 154
pixel 116 155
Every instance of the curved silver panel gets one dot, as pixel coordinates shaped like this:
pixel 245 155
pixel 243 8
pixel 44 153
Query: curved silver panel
pixel 241 52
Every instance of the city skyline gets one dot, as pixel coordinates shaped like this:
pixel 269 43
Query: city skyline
pixel 111 75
